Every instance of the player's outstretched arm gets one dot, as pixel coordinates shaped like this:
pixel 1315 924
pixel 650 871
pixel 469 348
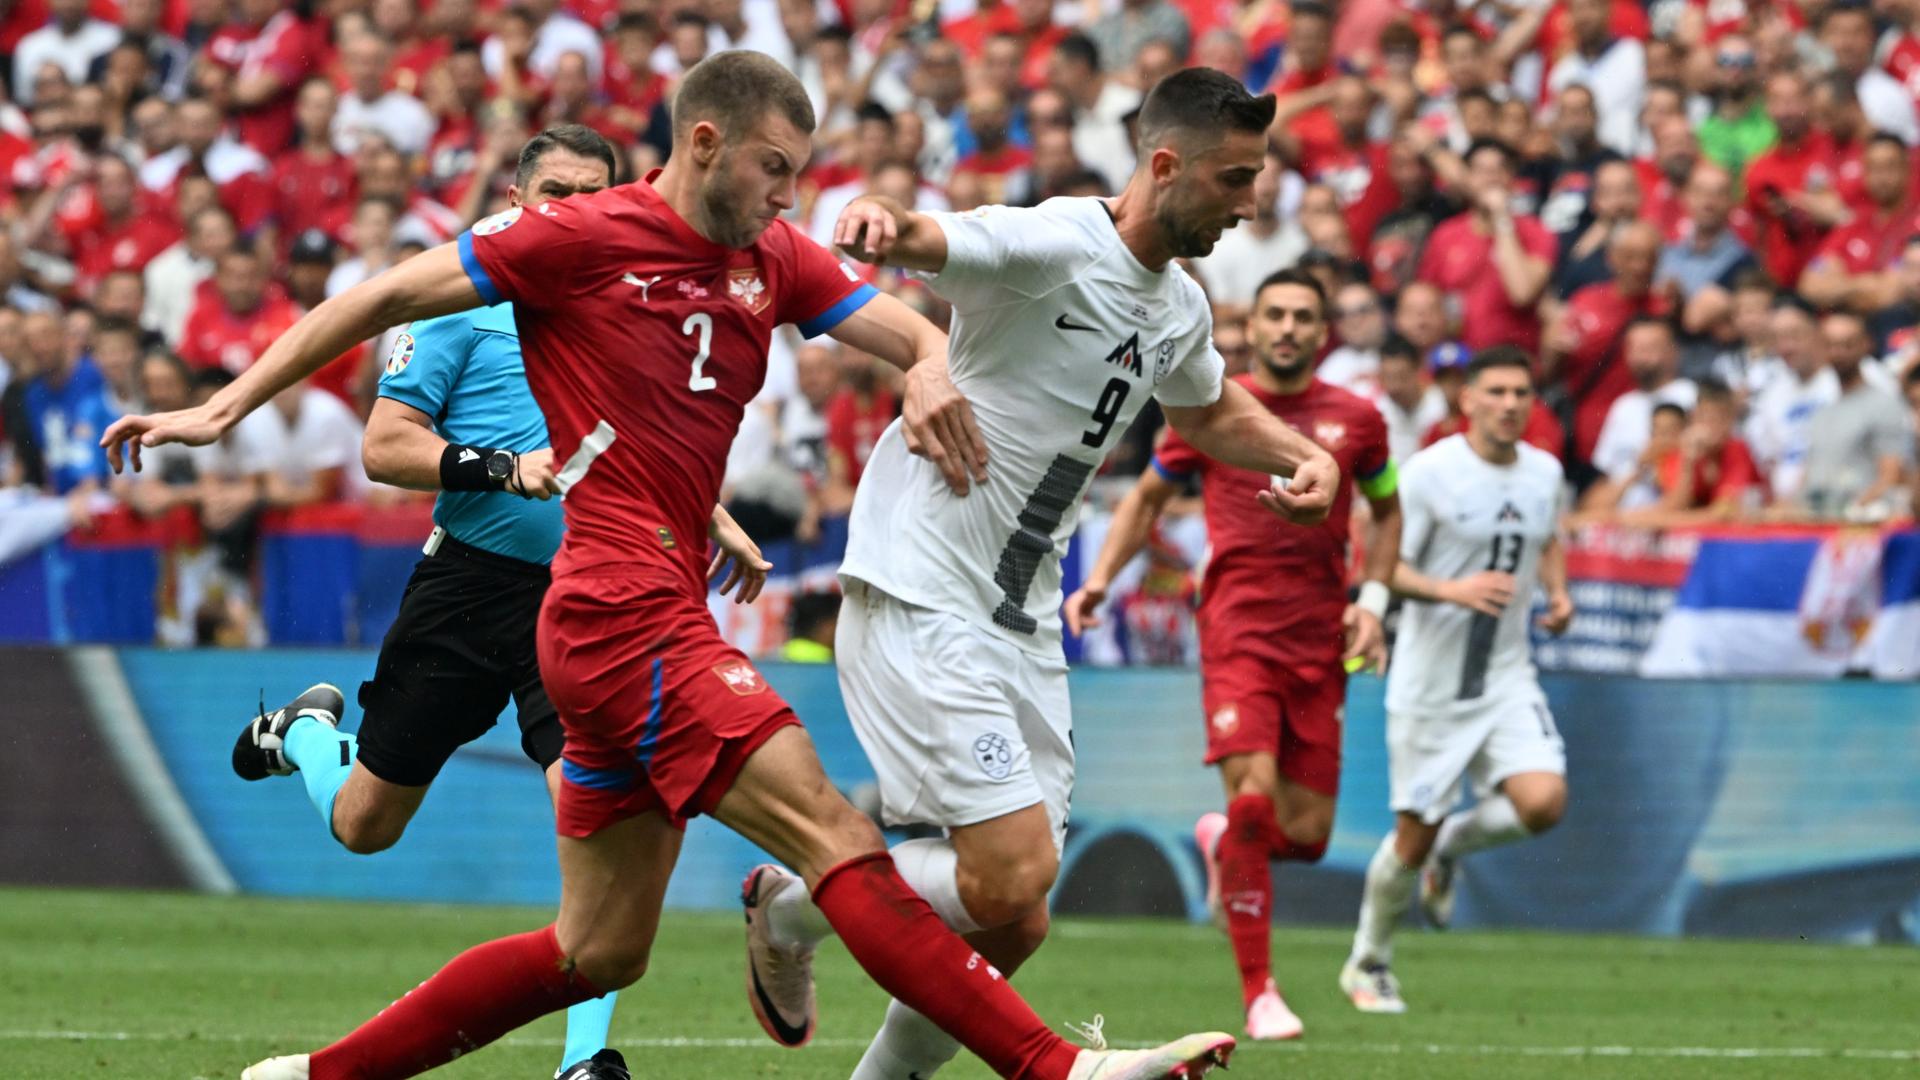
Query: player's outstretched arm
pixel 937 421
pixel 1238 430
pixel 1126 534
pixel 876 229
pixel 427 285
pixel 1553 578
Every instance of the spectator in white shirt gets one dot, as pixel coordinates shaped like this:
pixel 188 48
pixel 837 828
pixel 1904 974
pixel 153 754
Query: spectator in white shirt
pixel 371 235
pixel 556 33
pixel 1799 385
pixel 1614 69
pixel 1410 406
pixel 1848 32
pixel 174 276
pixel 369 106
pixel 1652 356
pixel 71 42
pixel 306 448
pixel 1100 107
pixel 1361 322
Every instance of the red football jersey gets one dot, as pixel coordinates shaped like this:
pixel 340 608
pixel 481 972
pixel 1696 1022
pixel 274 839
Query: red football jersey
pixel 1282 584
pixel 644 341
pixel 1459 260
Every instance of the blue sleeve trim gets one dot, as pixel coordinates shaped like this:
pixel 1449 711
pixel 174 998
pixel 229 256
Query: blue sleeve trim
pixel 1168 474
pixel 838 313
pixel 489 293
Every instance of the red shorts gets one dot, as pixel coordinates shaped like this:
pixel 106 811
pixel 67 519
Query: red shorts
pixel 660 713
pixel 1256 705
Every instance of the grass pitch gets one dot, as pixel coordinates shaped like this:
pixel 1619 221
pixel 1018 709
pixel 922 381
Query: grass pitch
pixel 137 985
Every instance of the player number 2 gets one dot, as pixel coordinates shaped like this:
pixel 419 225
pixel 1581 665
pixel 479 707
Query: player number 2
pixel 1105 412
pixel 702 322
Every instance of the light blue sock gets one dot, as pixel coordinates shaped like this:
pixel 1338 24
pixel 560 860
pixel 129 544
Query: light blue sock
pixel 325 757
pixel 587 1025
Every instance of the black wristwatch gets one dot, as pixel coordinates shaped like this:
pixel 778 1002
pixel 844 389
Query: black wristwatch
pixel 500 468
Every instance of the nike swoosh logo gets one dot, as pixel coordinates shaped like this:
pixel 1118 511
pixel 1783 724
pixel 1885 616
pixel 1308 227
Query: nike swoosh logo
pixel 787 1033
pixel 1066 324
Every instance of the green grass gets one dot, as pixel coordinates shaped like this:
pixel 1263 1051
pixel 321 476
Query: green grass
pixel 162 985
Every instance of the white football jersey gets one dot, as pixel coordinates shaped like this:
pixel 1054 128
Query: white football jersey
pixel 1462 514
pixel 1059 337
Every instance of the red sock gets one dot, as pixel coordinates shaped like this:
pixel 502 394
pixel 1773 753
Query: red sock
pixel 479 996
pixel 897 938
pixel 1246 888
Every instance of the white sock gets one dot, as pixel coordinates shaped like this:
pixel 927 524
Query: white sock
pixel 908 1044
pixel 794 919
pixel 1492 821
pixel 1389 889
pixel 931 868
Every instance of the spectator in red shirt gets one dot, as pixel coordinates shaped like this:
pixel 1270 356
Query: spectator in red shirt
pixel 1000 166
pixel 1303 124
pixel 1582 354
pixel 238 171
pixel 856 416
pixel 1837 113
pixel 414 53
pixel 633 90
pixel 457 93
pixel 1664 176
pixel 233 322
pixel 313 180
pixel 120 234
pixel 1354 165
pixel 1854 266
pixel 1707 475
pixel 1791 188
pixel 1493 265
pixel 282 44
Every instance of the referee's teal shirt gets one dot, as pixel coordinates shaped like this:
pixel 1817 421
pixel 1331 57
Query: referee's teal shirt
pixel 465 371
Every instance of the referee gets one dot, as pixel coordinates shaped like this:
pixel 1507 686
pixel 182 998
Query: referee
pixel 455 415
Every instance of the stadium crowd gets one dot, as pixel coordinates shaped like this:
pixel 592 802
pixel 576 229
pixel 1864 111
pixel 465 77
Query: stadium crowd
pixel 1701 216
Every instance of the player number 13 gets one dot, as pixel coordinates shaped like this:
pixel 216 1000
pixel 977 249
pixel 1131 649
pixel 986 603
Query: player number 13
pixel 702 322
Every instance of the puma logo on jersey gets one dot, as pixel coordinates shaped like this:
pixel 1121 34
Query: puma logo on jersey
pixel 643 286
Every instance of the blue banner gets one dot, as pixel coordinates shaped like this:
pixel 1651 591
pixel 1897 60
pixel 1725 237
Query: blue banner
pixel 1781 809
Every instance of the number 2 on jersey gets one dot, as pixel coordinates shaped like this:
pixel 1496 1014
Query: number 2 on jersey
pixel 702 322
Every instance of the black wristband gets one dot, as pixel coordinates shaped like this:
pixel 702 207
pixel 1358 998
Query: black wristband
pixel 464 468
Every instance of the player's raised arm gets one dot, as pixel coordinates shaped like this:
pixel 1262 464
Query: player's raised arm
pixel 876 229
pixel 1127 533
pixel 1239 431
pixel 937 421
pixel 428 285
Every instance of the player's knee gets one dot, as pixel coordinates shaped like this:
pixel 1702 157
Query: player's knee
pixel 1026 935
pixel 1011 892
pixel 1307 843
pixel 1541 811
pixel 611 965
pixel 367 833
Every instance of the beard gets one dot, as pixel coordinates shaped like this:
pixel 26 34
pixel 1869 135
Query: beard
pixel 1287 371
pixel 731 225
pixel 1187 241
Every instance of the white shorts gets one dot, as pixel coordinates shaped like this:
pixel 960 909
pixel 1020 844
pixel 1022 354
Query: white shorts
pixel 1429 753
pixel 961 726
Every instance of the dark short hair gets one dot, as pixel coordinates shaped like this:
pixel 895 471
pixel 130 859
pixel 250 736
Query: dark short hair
pixel 1398 346
pixel 811 610
pixel 733 90
pixel 1456 29
pixel 117 326
pixel 1670 407
pixel 1639 321
pixel 871 111
pixel 1888 138
pixel 1844 7
pixel 1203 101
pixel 1310 9
pixel 1080 48
pixel 577 139
pixel 637 20
pixel 1293 275
pixel 1499 356
pixel 1507 153
pixel 1712 389
pixel 1754 277
pixel 1475 93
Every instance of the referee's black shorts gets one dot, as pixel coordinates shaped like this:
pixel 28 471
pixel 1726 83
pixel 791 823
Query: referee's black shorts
pixel 462 644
